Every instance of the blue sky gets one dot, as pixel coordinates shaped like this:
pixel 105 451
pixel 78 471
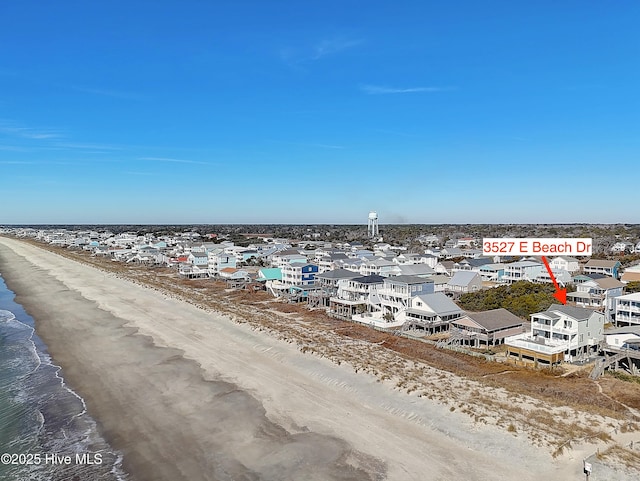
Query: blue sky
pixel 317 112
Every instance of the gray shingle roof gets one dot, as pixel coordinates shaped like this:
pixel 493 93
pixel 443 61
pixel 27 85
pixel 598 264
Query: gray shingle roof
pixel 495 319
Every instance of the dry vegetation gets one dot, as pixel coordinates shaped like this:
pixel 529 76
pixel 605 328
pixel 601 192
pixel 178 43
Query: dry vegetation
pixel 551 409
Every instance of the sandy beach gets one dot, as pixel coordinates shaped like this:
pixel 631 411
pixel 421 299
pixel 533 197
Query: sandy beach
pixel 189 394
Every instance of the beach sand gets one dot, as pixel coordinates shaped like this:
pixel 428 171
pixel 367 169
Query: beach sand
pixel 187 394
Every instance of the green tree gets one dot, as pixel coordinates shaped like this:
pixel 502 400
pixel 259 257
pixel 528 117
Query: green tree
pixel 631 287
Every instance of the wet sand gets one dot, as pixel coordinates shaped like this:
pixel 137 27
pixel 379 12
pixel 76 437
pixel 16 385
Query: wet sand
pixel 187 394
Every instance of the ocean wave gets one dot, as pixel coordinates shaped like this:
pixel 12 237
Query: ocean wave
pixel 40 413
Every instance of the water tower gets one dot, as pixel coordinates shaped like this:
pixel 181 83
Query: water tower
pixel 372 228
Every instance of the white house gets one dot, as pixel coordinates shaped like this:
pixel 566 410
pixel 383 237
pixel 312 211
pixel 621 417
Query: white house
pixel 522 271
pixel 622 337
pixel 558 334
pixel 569 264
pixel 299 274
pixel 396 293
pixel 562 277
pixel 218 260
pixel 377 266
pixel 598 293
pixel 199 259
pixel 356 295
pixel 622 247
pixel 627 309
pixel 431 313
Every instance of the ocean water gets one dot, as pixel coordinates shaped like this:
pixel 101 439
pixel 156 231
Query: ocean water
pixel 45 430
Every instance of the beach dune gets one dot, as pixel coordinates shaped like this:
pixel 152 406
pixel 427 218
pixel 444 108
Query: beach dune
pixel 190 395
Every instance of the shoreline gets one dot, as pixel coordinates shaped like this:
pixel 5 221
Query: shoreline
pixel 307 401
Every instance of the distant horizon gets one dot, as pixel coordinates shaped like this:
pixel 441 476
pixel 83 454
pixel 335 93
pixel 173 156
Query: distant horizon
pixel 473 112
pixel 169 224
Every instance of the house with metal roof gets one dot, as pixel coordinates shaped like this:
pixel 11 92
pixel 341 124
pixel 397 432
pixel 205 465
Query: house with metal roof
pixel 431 313
pixel 464 281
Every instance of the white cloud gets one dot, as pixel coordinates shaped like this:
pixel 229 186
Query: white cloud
pixel 334 45
pixel 9 128
pixel 382 90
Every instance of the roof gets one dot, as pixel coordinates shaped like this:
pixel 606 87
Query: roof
pixel 439 303
pixel 492 320
pixel 229 270
pixel 624 330
pixel 577 313
pixel 566 258
pixel 634 296
pixel 440 279
pixel 414 269
pixel 373 279
pixel 271 273
pixel 338 274
pixel 601 263
pixel 405 279
pixel 595 276
pixel 477 262
pixel 463 278
pixel 630 276
pixel 608 283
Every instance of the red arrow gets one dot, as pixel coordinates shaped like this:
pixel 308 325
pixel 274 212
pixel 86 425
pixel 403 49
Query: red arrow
pixel 560 294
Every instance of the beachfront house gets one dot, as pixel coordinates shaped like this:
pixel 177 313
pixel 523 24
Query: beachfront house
pixel 623 337
pixel 217 260
pixel 558 334
pixel 356 295
pixel 299 274
pixel 486 328
pixel 431 313
pixel 198 259
pixel 396 293
pixel 327 283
